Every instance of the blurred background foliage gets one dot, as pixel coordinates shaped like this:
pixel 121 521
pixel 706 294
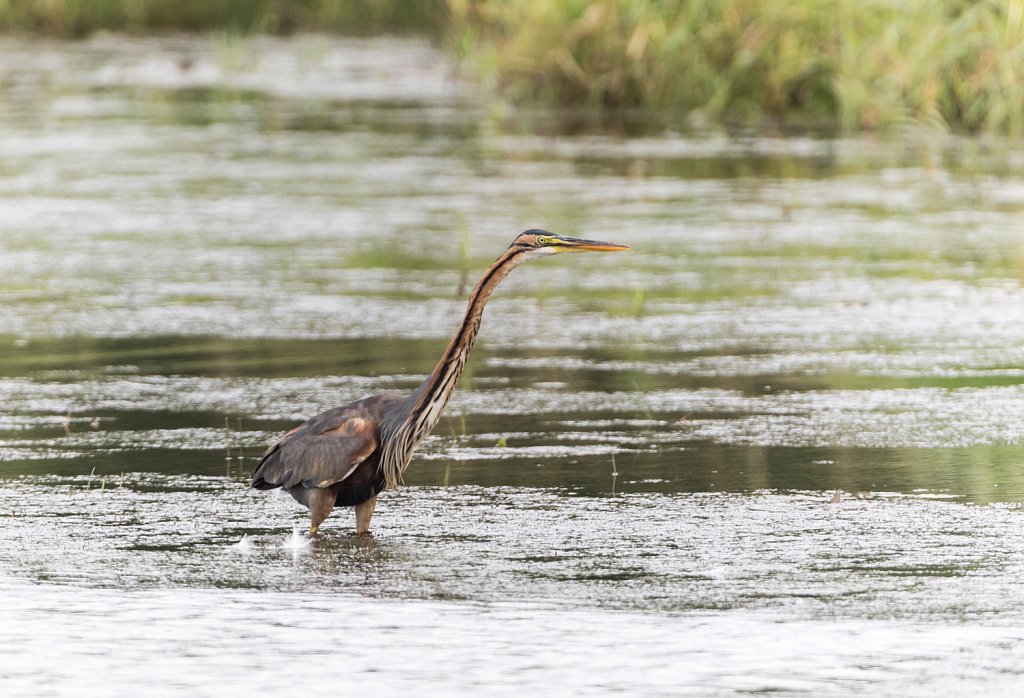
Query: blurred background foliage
pixel 78 18
pixel 860 64
pixel 846 64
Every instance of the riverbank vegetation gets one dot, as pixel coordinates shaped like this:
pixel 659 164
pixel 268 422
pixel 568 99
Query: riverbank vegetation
pixel 858 64
pixel 846 64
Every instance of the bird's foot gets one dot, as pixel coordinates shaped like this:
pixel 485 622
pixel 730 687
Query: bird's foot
pixel 313 530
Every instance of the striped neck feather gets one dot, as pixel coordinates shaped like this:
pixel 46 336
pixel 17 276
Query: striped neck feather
pixel 413 420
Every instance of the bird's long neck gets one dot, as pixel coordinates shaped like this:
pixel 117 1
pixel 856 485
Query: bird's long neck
pixel 433 394
pixel 424 407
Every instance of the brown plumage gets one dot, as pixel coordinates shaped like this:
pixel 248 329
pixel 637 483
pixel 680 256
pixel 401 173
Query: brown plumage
pixel 347 455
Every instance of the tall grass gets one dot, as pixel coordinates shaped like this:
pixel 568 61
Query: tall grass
pixel 861 64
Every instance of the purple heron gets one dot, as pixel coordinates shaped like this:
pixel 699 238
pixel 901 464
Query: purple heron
pixel 347 455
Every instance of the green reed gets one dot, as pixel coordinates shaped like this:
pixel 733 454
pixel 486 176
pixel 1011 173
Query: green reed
pixel 855 64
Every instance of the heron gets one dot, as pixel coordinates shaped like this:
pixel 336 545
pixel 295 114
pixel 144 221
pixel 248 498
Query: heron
pixel 346 456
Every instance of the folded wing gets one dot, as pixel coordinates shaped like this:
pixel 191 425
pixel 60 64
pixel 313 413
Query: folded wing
pixel 320 452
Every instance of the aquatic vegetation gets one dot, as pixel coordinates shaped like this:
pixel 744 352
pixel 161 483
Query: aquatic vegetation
pixel 845 63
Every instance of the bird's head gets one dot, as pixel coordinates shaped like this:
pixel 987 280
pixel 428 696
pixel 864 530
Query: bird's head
pixel 541 242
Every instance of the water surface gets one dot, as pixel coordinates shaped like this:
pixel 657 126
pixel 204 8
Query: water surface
pixel 203 241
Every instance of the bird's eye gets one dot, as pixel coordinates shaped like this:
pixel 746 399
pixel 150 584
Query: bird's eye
pixel 542 240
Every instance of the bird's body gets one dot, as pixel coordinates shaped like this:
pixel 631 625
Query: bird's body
pixel 347 455
pixel 336 451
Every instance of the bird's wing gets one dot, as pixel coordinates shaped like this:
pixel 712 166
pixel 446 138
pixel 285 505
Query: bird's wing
pixel 320 452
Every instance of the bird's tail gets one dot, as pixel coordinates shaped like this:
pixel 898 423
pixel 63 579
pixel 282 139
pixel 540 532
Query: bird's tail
pixel 258 480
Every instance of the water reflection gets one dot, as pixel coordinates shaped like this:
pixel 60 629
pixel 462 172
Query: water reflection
pixel 121 406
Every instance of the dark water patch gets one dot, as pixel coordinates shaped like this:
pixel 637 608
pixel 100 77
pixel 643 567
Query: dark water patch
pixel 81 357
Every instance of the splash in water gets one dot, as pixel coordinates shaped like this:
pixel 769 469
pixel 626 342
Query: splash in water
pixel 296 542
pixel 244 545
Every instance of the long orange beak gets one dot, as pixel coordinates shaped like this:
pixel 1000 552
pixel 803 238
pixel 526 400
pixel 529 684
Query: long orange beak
pixel 567 244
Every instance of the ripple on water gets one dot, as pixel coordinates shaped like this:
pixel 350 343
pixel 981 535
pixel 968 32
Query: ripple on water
pixel 921 417
pixel 694 593
pixel 209 641
pixel 886 557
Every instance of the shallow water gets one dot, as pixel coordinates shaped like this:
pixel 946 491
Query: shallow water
pixel 205 241
pixel 497 589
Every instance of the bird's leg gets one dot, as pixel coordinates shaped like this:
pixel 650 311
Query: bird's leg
pixel 364 512
pixel 321 501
